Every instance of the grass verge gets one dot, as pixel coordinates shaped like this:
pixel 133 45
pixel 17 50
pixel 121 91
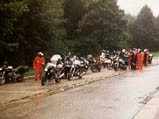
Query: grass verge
pixel 30 72
pixel 155 54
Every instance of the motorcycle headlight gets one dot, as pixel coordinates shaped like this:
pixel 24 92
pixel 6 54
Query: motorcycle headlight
pixel 10 67
pixel 45 69
pixel 73 66
pixel 120 60
pixel 82 65
pixel 59 66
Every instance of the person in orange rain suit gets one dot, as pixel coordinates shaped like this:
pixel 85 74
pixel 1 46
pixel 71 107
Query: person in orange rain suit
pixel 139 60
pixel 38 64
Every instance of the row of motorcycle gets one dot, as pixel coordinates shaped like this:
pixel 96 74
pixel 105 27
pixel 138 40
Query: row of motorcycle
pixel 72 68
pixel 69 67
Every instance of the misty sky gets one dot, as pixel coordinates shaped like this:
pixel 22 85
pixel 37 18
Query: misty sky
pixel 134 6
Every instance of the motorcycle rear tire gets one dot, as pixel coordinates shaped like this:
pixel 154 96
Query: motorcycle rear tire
pixel 57 80
pixel 2 81
pixel 116 68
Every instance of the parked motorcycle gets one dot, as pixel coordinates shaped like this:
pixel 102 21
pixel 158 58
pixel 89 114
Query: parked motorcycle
pixel 95 66
pixel 52 72
pixel 122 64
pixel 9 74
pixel 150 57
pixel 118 63
pixel 115 62
pixel 67 68
pixel 84 65
pixel 75 70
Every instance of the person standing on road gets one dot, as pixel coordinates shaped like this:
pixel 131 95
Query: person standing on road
pixel 38 64
pixel 130 56
pixel 133 59
pixel 140 60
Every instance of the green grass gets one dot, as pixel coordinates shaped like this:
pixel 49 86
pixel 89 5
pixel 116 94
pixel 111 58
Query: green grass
pixel 155 54
pixel 29 73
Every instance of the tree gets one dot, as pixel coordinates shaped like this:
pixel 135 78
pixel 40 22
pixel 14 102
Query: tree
pixel 73 12
pixel 130 25
pixel 143 29
pixel 9 12
pixel 103 25
pixel 35 25
pixel 156 33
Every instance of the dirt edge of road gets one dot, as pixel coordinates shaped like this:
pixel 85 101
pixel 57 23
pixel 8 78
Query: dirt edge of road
pixel 67 85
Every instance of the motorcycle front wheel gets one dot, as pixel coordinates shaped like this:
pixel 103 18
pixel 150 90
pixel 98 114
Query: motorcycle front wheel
pixel 43 80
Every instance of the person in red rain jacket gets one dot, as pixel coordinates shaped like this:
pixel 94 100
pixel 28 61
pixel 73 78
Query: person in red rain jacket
pixel 38 64
pixel 139 60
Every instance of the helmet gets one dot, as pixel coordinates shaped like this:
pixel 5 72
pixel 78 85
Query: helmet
pixel 89 56
pixel 145 50
pixel 40 54
pixel 123 50
pixel 139 50
pixel 103 51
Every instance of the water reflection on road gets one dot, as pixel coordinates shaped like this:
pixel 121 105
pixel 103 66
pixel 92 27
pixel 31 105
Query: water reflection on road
pixel 117 98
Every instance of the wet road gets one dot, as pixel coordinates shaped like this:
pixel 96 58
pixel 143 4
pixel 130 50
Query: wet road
pixel 116 98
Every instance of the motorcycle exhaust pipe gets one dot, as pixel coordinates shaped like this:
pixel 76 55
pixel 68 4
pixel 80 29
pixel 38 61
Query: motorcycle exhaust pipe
pixel 61 75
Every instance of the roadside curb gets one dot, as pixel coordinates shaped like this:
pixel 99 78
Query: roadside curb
pixel 150 110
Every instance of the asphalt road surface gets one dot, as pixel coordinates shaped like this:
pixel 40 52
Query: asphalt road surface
pixel 119 97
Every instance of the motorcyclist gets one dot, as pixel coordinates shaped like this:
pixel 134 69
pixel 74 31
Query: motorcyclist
pixel 140 59
pixel 146 56
pixel 132 60
pixel 38 64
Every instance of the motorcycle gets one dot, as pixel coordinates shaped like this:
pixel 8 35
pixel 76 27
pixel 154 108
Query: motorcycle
pixel 95 66
pixel 52 72
pixel 75 70
pixel 150 57
pixel 115 62
pixel 118 63
pixel 84 65
pixel 122 64
pixel 107 63
pixel 9 74
pixel 67 68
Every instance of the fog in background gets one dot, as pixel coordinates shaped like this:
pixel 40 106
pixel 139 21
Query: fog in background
pixel 133 7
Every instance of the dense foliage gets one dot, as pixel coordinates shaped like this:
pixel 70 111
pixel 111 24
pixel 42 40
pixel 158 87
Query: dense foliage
pixel 143 31
pixel 79 26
